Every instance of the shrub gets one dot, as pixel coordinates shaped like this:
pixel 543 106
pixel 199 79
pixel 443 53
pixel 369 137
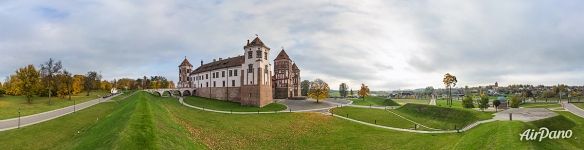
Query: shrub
pixel 2 92
pixel 484 102
pixel 496 103
pixel 514 102
pixel 467 102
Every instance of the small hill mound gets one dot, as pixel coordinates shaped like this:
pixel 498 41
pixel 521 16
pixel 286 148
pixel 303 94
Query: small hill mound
pixel 441 117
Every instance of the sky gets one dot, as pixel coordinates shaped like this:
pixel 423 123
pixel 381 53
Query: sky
pixel 386 44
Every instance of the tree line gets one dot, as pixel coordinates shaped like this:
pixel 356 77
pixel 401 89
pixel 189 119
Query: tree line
pixel 51 80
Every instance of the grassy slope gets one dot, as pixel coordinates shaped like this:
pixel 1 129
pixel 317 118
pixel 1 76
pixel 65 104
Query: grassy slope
pixel 177 127
pixel 440 117
pixel 9 104
pixel 383 117
pixel 228 106
pixel 536 105
pixel 373 101
pixel 455 103
pixel 415 101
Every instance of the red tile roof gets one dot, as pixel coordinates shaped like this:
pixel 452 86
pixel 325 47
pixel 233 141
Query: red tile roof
pixel 225 63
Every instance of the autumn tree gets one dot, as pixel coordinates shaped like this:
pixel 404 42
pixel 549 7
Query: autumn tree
pixel 343 89
pixel 449 81
pixel 318 90
pixel 48 71
pixel 68 82
pixel 304 87
pixel 30 80
pixel 514 101
pixel 77 84
pixel 364 91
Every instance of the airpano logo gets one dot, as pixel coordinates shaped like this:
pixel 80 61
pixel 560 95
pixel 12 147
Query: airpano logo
pixel 543 133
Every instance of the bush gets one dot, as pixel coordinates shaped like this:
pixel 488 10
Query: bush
pixel 515 102
pixel 2 92
pixel 496 103
pixel 467 102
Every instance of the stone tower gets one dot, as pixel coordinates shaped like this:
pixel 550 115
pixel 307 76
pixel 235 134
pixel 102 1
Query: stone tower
pixel 184 69
pixel 286 77
pixel 256 84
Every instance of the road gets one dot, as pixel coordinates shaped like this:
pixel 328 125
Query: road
pixel 13 123
pixel 573 109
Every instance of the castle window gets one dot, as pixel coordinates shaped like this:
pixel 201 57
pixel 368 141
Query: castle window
pixel 249 54
pixel 223 83
pixel 232 82
pixel 230 73
pixel 206 84
pixel 206 76
pixel 235 72
pixel 266 55
pixel 266 69
pixel 214 84
pixel 250 68
pixel 258 54
pixel 222 73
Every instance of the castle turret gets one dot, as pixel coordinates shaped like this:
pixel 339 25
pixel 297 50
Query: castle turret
pixel 256 81
pixel 184 69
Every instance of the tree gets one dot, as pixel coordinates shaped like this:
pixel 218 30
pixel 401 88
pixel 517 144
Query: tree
pixel 68 82
pixel 450 81
pixel 364 91
pixel 304 87
pixel 515 101
pixel 343 89
pixel 48 71
pixel 496 103
pixel 467 102
pixel 484 102
pixel 351 92
pixel 77 84
pixel 12 85
pixel 429 90
pixel 30 80
pixel 318 90
pixel 91 79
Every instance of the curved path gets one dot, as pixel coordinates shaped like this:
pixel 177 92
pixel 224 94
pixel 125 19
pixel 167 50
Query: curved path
pixel 13 123
pixel 573 109
pixel 334 105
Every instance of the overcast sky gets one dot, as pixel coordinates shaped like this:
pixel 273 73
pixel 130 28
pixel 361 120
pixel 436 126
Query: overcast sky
pixel 385 44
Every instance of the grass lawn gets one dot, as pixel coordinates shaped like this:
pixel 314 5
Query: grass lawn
pixel 374 101
pixel 455 103
pixel 144 121
pixel 440 117
pixel 229 106
pixel 375 116
pixel 581 105
pixel 9 105
pixel 414 101
pixel 536 105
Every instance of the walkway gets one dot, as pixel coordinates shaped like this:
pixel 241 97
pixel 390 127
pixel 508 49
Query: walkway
pixel 433 102
pixel 13 123
pixel 320 107
pixel 573 109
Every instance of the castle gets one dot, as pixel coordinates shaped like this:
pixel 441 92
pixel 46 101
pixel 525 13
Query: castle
pixel 247 79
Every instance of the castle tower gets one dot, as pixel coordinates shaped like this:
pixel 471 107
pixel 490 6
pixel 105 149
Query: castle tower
pixel 256 84
pixel 184 69
pixel 282 74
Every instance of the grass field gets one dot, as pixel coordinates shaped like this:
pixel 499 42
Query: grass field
pixel 9 105
pixel 440 117
pixel 229 106
pixel 374 101
pixel 536 105
pixel 144 121
pixel 413 101
pixel 375 116
pixel 455 103
pixel 580 105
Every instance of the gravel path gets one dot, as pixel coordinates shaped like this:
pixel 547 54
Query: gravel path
pixel 573 109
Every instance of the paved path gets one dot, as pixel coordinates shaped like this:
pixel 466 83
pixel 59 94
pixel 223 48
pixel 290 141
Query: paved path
pixel 433 102
pixel 525 114
pixel 573 109
pixel 13 123
pixel 322 107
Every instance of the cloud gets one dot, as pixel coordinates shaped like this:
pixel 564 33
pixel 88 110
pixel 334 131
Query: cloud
pixel 385 44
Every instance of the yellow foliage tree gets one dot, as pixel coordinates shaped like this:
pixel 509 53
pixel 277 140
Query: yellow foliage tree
pixel 77 86
pixel 318 90
pixel 449 81
pixel 364 91
pixel 12 87
pixel 30 80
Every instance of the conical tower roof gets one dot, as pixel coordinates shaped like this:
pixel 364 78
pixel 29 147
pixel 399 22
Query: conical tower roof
pixel 282 56
pixel 185 62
